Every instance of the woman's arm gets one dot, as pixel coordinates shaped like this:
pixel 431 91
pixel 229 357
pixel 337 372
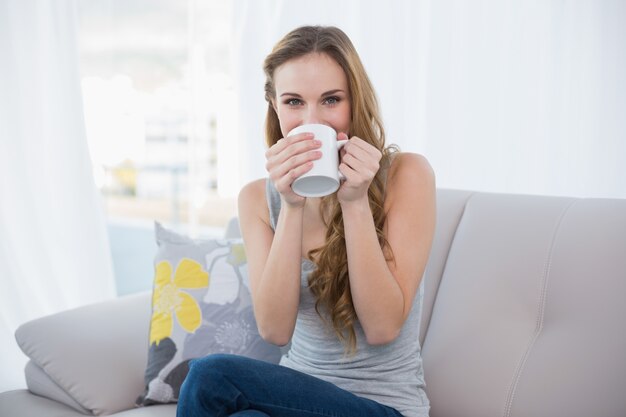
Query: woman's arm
pixel 275 256
pixel 383 292
pixel 274 262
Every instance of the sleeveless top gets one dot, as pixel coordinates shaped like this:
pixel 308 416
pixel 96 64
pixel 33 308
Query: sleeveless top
pixel 390 374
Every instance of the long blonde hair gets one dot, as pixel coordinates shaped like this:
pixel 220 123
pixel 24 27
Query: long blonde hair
pixel 329 281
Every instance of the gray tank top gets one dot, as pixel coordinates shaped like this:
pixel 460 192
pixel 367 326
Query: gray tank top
pixel 391 374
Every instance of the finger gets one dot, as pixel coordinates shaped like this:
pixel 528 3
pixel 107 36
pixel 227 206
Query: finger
pixel 366 161
pixel 355 141
pixel 283 143
pixel 359 153
pixel 347 172
pixel 295 145
pixel 363 169
pixel 354 164
pixel 299 160
pixel 290 176
pixel 294 163
pixel 342 136
pixel 288 145
pixel 296 148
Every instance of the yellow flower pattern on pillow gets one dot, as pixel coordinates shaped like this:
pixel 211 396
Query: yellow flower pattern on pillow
pixel 169 300
pixel 192 319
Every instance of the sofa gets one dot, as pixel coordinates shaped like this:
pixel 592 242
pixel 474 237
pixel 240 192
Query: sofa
pixel 524 310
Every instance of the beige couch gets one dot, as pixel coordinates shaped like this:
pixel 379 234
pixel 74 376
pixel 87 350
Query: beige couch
pixel 523 317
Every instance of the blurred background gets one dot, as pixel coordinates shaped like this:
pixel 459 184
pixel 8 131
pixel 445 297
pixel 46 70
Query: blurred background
pixel 118 113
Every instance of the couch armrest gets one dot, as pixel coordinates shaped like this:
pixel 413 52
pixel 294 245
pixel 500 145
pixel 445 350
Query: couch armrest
pixel 97 353
pixel 40 384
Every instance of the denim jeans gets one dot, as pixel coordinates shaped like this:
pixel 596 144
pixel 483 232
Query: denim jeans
pixel 228 385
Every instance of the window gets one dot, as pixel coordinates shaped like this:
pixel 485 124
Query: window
pixel 159 105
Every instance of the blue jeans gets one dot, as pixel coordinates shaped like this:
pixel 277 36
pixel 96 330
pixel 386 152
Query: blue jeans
pixel 229 385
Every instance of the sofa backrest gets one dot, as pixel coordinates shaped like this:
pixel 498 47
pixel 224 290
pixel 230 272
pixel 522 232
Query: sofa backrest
pixel 524 307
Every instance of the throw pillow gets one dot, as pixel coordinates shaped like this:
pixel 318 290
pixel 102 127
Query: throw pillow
pixel 201 304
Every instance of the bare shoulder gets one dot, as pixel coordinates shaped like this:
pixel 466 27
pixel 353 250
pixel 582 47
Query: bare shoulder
pixel 410 171
pixel 253 190
pixel 251 201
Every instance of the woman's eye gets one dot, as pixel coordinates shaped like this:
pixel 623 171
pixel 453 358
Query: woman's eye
pixel 332 100
pixel 293 102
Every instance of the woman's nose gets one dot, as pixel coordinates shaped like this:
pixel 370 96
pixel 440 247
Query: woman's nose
pixel 312 116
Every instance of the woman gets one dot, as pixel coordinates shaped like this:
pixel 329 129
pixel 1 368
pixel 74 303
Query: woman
pixel 338 276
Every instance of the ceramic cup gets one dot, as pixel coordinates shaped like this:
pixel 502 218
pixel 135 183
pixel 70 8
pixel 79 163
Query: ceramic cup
pixel 324 178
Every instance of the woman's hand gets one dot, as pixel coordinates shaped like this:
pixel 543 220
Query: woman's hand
pixel 360 162
pixel 289 158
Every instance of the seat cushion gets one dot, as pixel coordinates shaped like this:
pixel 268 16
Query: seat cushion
pixel 22 403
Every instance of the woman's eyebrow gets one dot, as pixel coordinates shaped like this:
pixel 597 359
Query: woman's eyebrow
pixel 291 94
pixel 338 90
pixel 327 93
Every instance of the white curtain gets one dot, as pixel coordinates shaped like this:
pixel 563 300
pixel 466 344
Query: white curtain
pixel 54 251
pixel 502 96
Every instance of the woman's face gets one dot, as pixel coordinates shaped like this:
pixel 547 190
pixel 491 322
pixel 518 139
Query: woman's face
pixel 312 89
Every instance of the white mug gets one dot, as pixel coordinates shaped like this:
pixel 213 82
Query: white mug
pixel 324 178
